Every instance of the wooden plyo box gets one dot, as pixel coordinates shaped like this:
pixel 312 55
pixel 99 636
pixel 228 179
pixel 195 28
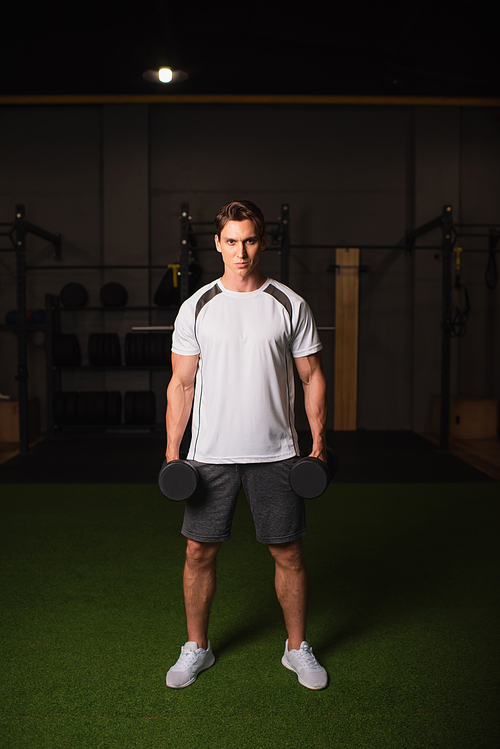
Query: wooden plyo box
pixel 470 418
pixel 9 420
pixel 345 407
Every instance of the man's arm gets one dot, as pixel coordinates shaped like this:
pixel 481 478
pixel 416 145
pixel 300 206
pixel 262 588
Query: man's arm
pixel 180 392
pixel 313 380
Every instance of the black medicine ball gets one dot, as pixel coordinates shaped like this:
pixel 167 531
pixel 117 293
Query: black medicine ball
pixel 73 295
pixel 114 295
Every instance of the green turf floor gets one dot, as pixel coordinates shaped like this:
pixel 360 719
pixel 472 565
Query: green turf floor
pixel 404 614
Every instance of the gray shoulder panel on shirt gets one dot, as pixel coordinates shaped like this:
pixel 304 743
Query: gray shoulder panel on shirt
pixel 280 297
pixel 205 298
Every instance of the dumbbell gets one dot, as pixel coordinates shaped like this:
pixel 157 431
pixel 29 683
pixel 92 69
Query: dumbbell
pixel 309 477
pixel 178 479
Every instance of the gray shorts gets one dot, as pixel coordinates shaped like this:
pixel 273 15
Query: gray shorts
pixel 278 513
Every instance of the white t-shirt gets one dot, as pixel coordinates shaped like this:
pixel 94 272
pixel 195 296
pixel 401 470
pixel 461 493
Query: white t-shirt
pixel 243 410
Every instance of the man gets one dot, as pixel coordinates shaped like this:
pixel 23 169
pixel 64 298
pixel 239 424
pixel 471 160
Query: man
pixel 233 345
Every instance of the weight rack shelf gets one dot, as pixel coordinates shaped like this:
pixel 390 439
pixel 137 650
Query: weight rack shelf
pixel 126 308
pixel 115 428
pixel 121 368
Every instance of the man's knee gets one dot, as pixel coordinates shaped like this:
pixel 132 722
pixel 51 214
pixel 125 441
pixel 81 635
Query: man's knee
pixel 288 555
pixel 201 554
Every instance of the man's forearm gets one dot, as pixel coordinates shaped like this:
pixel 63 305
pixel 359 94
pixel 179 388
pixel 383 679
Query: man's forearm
pixel 179 402
pixel 316 411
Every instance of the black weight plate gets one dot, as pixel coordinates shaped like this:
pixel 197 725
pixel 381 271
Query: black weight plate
pixel 129 406
pixel 144 407
pixel 309 477
pixel 100 407
pixel 133 349
pixel 128 341
pixel 153 349
pixel 112 353
pixel 113 407
pixel 149 407
pixel 178 480
pixel 81 408
pixel 116 353
pixel 91 408
pixel 93 350
pixel 96 350
pixel 73 295
pixel 101 348
pixel 160 349
pixel 70 407
pixel 139 349
pixel 146 349
pixel 113 295
pixel 108 354
pixel 139 407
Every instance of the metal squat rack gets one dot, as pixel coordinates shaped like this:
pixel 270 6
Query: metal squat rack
pixel 17 233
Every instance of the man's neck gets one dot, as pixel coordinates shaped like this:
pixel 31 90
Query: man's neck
pixel 243 285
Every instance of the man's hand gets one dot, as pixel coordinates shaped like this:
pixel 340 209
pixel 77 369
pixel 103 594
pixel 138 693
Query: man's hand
pixel 171 455
pixel 321 454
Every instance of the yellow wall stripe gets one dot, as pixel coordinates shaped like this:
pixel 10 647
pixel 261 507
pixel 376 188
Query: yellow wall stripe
pixel 399 101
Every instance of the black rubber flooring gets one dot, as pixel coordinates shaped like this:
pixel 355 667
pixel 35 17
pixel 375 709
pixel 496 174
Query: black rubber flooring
pixel 364 457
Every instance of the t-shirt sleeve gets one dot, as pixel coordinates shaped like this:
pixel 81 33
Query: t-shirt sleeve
pixel 184 338
pixel 305 338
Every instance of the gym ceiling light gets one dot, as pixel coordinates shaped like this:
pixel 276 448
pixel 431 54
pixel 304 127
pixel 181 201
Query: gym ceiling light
pixel 165 75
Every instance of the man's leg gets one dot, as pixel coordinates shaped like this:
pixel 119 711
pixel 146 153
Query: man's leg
pixel 291 588
pixel 199 588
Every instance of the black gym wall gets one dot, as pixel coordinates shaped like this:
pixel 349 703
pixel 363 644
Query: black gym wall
pixel 111 179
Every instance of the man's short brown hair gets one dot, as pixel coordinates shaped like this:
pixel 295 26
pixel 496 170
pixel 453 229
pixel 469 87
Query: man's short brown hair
pixel 240 210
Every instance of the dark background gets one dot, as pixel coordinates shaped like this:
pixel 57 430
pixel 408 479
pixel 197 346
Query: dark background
pixel 417 47
pixel 111 177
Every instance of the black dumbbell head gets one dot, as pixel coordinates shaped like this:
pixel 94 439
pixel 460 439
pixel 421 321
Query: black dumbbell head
pixel 309 477
pixel 178 480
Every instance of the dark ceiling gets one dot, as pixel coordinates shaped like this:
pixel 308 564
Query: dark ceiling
pixel 412 48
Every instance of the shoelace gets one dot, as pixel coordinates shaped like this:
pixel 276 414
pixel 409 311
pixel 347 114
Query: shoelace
pixel 186 658
pixel 308 659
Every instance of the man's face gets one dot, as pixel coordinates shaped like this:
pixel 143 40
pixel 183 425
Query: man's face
pixel 240 247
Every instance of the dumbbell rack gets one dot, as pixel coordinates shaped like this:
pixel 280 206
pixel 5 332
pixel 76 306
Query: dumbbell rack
pixel 54 371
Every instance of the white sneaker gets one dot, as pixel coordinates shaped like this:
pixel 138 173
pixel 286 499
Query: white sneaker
pixel 192 661
pixel 305 665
